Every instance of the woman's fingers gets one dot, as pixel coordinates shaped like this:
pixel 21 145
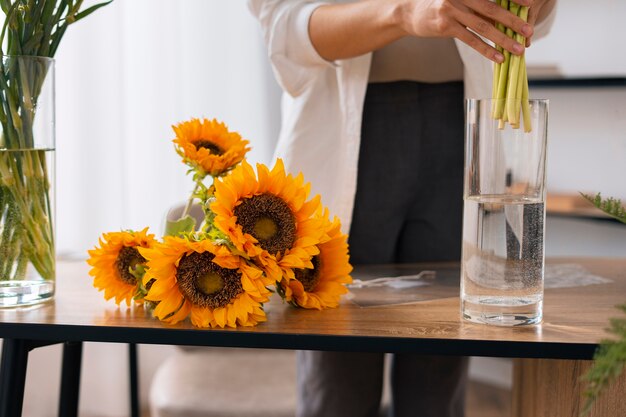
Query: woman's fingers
pixel 495 12
pixel 489 31
pixel 471 39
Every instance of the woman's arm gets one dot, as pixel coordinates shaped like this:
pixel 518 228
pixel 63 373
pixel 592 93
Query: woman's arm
pixel 347 30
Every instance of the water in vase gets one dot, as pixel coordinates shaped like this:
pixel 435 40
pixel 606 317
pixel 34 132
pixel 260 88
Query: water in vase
pixel 27 254
pixel 503 260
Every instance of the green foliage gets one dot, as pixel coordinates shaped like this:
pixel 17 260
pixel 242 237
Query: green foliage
pixel 609 362
pixel 36 27
pixel 281 291
pixel 610 358
pixel 31 28
pixel 138 272
pixel 186 224
pixel 610 206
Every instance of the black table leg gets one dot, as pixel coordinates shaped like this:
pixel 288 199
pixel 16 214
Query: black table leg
pixel 133 365
pixel 13 376
pixel 70 379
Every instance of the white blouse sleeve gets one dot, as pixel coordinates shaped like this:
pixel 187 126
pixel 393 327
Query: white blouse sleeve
pixel 285 26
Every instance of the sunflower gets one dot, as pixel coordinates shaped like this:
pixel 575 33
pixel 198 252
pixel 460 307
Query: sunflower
pixel 207 282
pixel 208 146
pixel 117 262
pixel 269 218
pixel 321 286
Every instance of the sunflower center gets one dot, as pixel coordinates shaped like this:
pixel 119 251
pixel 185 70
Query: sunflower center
pixel 205 283
pixel 127 259
pixel 265 228
pixel 309 277
pixel 209 283
pixel 269 219
pixel 210 146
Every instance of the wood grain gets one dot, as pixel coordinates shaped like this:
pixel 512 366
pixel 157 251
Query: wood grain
pixel 554 388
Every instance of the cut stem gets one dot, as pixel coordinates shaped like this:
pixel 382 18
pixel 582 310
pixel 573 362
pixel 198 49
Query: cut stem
pixel 510 81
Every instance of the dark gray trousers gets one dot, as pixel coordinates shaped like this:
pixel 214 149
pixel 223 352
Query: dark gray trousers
pixel 408 208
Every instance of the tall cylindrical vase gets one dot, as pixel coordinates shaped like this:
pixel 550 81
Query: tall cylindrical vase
pixel 502 267
pixel 27 146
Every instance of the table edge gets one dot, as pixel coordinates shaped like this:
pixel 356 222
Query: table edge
pixel 299 341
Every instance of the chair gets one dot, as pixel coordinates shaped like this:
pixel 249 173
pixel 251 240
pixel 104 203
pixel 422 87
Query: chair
pixel 219 382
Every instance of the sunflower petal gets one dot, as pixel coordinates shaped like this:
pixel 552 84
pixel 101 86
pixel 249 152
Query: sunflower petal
pixel 180 315
pixel 231 316
pixel 200 317
pixel 220 316
pixel 168 305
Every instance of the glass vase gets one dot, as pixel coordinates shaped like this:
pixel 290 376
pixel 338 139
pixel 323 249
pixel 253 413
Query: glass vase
pixel 502 268
pixel 27 147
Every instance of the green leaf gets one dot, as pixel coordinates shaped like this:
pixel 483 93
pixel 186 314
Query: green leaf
pixel 138 272
pixel 609 363
pixel 7 21
pixel 610 206
pixel 141 291
pixel 184 225
pixel 56 39
pixel 89 11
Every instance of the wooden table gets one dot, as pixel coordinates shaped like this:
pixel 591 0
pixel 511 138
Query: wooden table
pixel 550 356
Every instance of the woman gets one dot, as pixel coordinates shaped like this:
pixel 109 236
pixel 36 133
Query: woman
pixel 373 116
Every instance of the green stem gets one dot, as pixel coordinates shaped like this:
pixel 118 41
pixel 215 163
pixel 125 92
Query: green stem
pixel 5 232
pixel 31 27
pixel 524 95
pixel 510 86
pixel 502 83
pixel 498 66
pixel 518 94
pixel 11 251
pixel 525 104
pixel 513 76
pixel 29 218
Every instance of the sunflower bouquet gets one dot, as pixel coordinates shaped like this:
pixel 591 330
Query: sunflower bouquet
pixel 261 234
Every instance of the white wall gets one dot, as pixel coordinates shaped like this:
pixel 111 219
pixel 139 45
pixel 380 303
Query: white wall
pixel 586 139
pixel 586 40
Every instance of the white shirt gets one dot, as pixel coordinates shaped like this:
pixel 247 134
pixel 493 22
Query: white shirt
pixel 322 102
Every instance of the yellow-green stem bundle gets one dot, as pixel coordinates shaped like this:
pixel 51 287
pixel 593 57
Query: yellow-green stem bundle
pixel 510 81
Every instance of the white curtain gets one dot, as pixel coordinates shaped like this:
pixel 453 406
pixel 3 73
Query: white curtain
pixel 128 72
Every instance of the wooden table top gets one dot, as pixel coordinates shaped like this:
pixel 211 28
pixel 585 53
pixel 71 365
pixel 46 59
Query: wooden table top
pixel 574 319
pixel 573 205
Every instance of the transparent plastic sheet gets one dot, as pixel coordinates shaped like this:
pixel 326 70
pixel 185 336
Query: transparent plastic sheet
pixel 406 284
pixel 570 275
pixel 408 287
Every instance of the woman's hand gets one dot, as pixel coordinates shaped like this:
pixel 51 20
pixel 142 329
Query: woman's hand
pixel 464 19
pixel 346 30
